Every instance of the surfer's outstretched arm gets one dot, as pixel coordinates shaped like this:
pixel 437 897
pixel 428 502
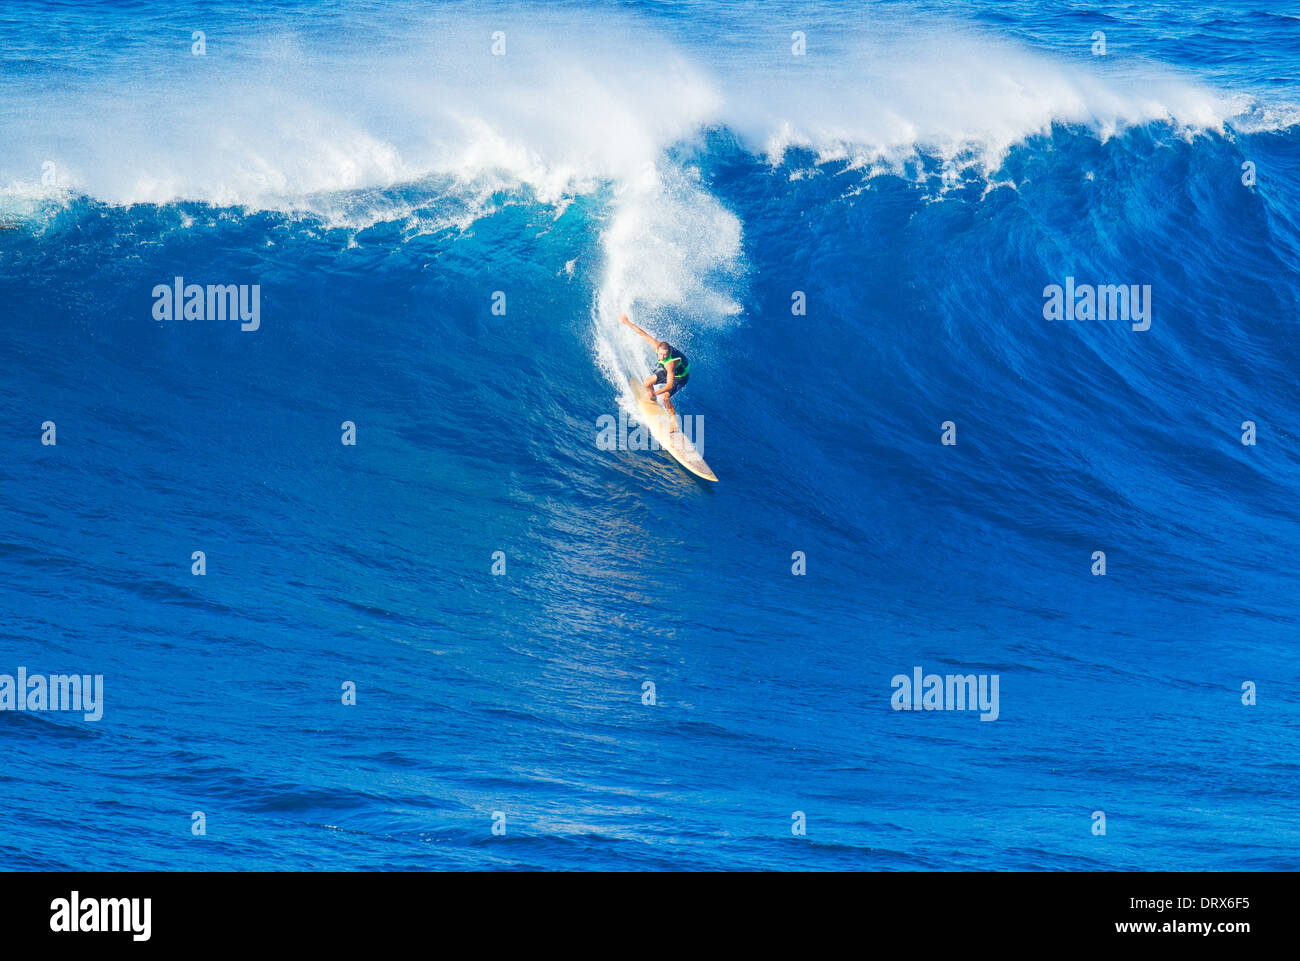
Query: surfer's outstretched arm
pixel 623 319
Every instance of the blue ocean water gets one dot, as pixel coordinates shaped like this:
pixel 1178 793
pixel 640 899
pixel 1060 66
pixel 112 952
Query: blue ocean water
pixel 445 209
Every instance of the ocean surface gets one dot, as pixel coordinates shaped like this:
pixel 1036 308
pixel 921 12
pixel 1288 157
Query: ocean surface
pixel 569 657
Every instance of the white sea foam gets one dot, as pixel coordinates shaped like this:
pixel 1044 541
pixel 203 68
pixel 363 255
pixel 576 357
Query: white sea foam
pixel 328 125
pixel 274 120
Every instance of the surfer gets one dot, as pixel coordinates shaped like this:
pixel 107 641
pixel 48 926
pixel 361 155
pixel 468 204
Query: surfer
pixel 670 374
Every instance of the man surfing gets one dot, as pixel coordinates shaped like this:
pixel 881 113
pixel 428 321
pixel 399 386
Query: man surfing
pixel 670 375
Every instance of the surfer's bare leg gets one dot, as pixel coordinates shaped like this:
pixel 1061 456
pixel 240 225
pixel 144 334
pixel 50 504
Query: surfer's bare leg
pixel 649 385
pixel 672 412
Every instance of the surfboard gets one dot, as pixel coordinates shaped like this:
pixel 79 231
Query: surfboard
pixel 656 420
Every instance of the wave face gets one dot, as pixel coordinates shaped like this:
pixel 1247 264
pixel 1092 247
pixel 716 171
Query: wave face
pixel 915 180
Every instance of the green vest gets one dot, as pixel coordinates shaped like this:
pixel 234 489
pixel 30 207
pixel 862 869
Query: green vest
pixel 673 358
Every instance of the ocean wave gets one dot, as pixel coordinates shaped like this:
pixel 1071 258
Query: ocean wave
pixel 281 120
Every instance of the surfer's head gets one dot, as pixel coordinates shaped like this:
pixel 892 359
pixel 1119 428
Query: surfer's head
pixel 663 349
